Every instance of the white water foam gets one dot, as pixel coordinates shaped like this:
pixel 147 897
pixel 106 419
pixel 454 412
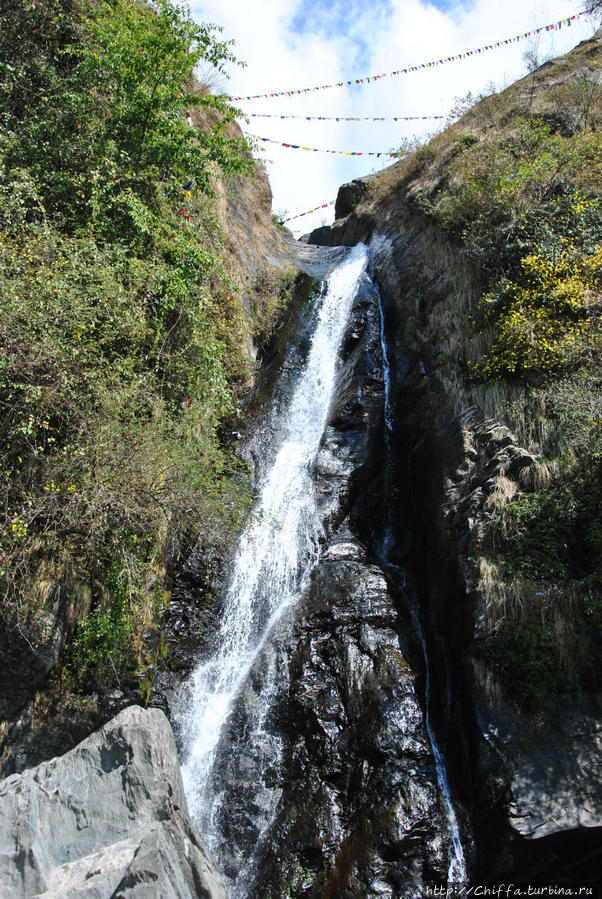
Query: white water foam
pixel 276 553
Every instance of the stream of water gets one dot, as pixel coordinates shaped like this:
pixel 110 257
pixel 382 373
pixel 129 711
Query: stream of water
pixel 276 554
pixel 456 872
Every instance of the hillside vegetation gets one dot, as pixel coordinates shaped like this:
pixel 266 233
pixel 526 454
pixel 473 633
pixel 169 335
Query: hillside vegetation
pixel 513 189
pixel 123 338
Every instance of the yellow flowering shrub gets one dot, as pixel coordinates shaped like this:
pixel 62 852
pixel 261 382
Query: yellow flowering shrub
pixel 547 317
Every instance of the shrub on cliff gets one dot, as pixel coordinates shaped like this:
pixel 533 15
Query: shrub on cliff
pixel 515 186
pixel 121 333
pixel 547 317
pixel 92 99
pixel 545 613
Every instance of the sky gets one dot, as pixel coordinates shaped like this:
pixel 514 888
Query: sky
pixel 293 44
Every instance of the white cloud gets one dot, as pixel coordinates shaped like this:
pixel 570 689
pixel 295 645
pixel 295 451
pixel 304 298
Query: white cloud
pixel 413 31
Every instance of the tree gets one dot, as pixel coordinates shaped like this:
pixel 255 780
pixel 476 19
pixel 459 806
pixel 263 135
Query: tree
pixel 141 62
pixel 93 96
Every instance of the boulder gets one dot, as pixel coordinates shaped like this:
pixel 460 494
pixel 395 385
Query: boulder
pixel 349 196
pixel 556 785
pixel 108 818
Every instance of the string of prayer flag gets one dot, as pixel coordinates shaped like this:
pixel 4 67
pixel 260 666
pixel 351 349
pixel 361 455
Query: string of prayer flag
pixel 368 79
pixel 332 118
pixel 268 140
pixel 309 211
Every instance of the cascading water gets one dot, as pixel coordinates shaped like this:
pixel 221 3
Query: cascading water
pixel 276 554
pixel 456 872
pixel 388 416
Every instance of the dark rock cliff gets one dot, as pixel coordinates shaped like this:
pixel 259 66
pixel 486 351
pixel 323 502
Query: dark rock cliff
pixel 359 813
pixel 534 802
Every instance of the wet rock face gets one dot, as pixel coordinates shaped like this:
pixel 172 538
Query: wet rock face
pixel 200 576
pixel 325 780
pixel 109 818
pixel 341 768
pixel 531 817
pixel 350 446
pixel 24 664
pixel 552 822
pixel 358 815
pixel 359 379
pixel 556 785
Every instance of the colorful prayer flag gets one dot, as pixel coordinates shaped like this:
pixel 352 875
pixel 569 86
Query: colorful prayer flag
pixel 369 78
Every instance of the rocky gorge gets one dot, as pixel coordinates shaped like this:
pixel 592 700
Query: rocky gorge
pixel 371 749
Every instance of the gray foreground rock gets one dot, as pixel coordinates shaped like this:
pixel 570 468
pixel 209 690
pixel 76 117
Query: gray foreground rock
pixel 109 818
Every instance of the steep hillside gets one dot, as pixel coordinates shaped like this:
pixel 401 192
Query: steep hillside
pixel 487 253
pixel 139 271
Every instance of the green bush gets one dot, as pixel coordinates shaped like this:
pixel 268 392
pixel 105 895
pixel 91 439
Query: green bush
pixel 101 650
pixel 507 175
pixel 547 547
pixel 550 646
pixel 547 317
pixel 113 381
pixel 93 97
pixel 123 338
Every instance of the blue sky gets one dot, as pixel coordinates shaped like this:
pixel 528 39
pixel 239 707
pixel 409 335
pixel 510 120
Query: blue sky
pixel 294 44
pixel 448 6
pixel 354 21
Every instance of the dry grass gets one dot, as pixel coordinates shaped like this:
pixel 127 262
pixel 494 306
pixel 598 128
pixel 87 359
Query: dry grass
pixel 517 600
pixel 538 476
pixel 505 490
pixel 487 681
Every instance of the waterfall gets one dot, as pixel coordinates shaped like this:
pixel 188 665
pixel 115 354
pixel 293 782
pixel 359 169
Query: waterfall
pixel 275 556
pixel 388 416
pixel 456 872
